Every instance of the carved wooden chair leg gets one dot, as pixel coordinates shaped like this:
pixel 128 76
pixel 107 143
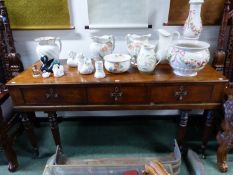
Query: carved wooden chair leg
pixel 6 144
pixel 225 138
pixel 222 157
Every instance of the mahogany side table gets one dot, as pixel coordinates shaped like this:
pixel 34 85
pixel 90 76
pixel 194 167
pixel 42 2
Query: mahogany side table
pixel 128 91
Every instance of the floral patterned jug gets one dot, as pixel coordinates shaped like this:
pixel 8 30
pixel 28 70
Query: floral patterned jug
pixel 135 43
pixel 102 45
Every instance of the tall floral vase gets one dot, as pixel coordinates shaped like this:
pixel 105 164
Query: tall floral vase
pixel 193 24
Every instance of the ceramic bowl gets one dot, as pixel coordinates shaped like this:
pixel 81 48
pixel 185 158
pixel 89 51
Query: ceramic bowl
pixel 187 57
pixel 117 63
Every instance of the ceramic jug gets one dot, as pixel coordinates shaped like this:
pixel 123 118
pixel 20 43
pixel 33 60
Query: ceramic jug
pixel 165 41
pixel 48 46
pixel 134 44
pixel 102 45
pixel 147 60
pixel 193 24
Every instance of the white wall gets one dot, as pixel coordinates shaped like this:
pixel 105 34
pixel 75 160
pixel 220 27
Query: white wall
pixel 79 39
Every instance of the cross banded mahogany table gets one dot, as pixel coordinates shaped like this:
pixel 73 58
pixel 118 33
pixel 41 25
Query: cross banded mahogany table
pixel 127 91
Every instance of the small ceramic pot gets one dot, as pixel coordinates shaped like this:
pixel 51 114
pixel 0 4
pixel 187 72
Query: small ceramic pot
pixel 187 57
pixel 117 63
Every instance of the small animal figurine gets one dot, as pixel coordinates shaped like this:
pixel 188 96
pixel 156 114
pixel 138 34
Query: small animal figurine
pixel 45 74
pixel 87 67
pixel 47 65
pixel 72 61
pixel 58 70
pixel 81 59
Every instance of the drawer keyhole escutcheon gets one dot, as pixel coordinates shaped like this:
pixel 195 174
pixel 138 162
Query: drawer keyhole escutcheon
pixel 117 93
pixel 51 94
pixel 181 93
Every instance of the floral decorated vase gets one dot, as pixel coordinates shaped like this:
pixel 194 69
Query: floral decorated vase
pixel 193 24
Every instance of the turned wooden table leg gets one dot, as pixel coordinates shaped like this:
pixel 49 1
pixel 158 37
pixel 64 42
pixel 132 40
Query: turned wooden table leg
pixel 182 129
pixel 225 137
pixel 7 146
pixel 54 128
pixel 207 131
pixel 30 133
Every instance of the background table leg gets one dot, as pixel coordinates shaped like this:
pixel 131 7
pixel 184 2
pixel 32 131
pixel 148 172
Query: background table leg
pixel 182 129
pixel 30 133
pixel 54 128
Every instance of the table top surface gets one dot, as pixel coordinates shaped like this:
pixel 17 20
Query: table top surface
pixel 163 74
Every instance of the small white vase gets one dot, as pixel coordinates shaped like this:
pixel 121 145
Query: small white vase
pixel 99 69
pixel 193 24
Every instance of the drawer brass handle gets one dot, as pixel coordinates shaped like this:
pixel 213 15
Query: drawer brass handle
pixel 51 94
pixel 116 94
pixel 181 93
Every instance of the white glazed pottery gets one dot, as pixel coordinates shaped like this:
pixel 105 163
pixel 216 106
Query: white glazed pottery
pixel 134 44
pixel 187 57
pixel 117 63
pixel 193 24
pixel 147 60
pixel 58 70
pixel 87 67
pixel 48 46
pixel 72 61
pixel 165 41
pixel 99 69
pixel 102 45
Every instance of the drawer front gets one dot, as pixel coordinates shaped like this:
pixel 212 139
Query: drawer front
pixel 54 96
pixel 181 93
pixel 116 94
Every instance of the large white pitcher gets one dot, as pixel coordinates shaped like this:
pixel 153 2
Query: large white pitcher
pixel 164 43
pixel 49 46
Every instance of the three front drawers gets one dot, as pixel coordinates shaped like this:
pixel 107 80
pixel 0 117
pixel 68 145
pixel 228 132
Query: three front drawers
pixel 120 94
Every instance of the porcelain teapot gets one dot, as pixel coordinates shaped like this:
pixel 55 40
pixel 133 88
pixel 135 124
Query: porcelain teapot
pixel 165 41
pixel 134 44
pixel 49 46
pixel 102 45
pixel 147 60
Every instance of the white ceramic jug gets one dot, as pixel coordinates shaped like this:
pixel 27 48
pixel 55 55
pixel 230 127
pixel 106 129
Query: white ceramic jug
pixel 165 41
pixel 102 45
pixel 49 46
pixel 147 60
